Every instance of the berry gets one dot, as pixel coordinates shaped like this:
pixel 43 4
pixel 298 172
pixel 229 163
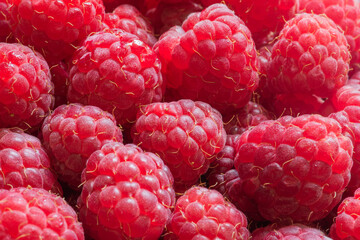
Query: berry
pixel 127 194
pixel 310 56
pixel 210 58
pixel 204 214
pixel 72 133
pixel 117 72
pixel 37 214
pixel 185 134
pixel 5 28
pixel 26 92
pixel 60 78
pixel 294 169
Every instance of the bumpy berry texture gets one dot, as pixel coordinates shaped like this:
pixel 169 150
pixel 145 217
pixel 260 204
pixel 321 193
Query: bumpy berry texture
pixel 55 28
pixel 204 214
pixel 24 162
pixel 294 169
pixel 127 194
pixel 5 29
pixel 185 134
pixel 60 77
pixel 26 90
pixel 117 72
pixel 37 214
pixel 129 19
pixel 296 231
pixel 210 58
pixel 310 56
pixel 71 133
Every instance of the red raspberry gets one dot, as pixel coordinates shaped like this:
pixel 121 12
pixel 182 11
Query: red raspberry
pixel 24 162
pixel 5 29
pixel 128 18
pixel 294 169
pixel 37 214
pixel 55 28
pixel 347 222
pixel 117 72
pixel 210 58
pixel 204 214
pixel 60 78
pixel 127 194
pixel 185 134
pixel 311 56
pixel 26 92
pixel 72 133
pixel 296 231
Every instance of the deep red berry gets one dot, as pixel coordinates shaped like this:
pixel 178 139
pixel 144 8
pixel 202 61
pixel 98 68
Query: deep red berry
pixel 60 77
pixel 6 34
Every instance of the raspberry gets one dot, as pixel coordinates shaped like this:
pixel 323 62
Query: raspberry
pixel 72 133
pixel 26 93
pixel 310 57
pixel 127 194
pixel 5 29
pixel 24 162
pixel 210 58
pixel 294 169
pixel 128 18
pixel 117 72
pixel 185 134
pixel 37 214
pixel 55 28
pixel 296 231
pixel 60 78
pixel 204 214
pixel 347 222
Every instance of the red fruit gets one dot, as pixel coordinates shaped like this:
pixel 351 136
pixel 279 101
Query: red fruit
pixel 127 194
pixel 60 78
pixel 117 72
pixel 294 169
pixel 24 162
pixel 55 28
pixel 72 133
pixel 210 58
pixel 26 90
pixel 310 56
pixel 185 134
pixel 204 214
pixel 5 29
pixel 128 18
pixel 37 214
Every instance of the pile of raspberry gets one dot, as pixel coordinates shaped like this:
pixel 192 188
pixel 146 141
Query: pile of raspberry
pixel 180 119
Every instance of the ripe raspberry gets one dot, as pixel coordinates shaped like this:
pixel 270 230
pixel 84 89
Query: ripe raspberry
pixel 117 72
pixel 210 58
pixel 24 162
pixel 185 134
pixel 202 213
pixel 37 214
pixel 72 133
pixel 296 231
pixel 127 194
pixel 294 169
pixel 5 29
pixel 128 18
pixel 26 93
pixel 55 28
pixel 347 222
pixel 310 57
pixel 60 78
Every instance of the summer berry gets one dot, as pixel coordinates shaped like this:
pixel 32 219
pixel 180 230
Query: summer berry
pixel 310 56
pixel 202 213
pixel 185 134
pixel 24 162
pixel 250 115
pixel 210 58
pixel 37 214
pixel 128 18
pixel 26 90
pixel 60 77
pixel 347 222
pixel 117 72
pixel 264 20
pixel 127 194
pixel 55 28
pixel 71 133
pixel 5 29
pixel 295 231
pixel 294 169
